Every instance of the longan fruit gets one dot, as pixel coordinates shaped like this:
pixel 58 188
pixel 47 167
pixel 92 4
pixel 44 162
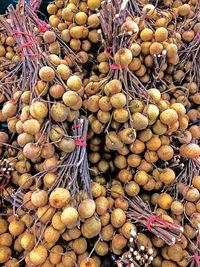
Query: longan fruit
pixel 165 201
pixel 93 21
pixel 136 106
pixel 52 9
pixel 196 182
pixel 151 156
pixel 188 36
pixel 168 263
pixel 148 61
pixel 145 166
pixel 156 48
pixel 134 160
pixel 145 135
pixel 125 175
pixel 135 64
pixel 81 18
pixel 172 50
pixel 75 44
pixel 141 177
pixel 175 252
pixel 154 143
pixel 135 49
pixel 2 51
pixel 167 176
pixel 169 116
pixel 184 10
pixel 118 100
pixel 165 152
pixel 149 10
pixel 159 128
pixel 132 188
pixel 93 4
pixel 146 34
pixel 120 115
pixel 145 47
pixel 93 36
pixel 145 79
pixel 177 207
pixel 161 34
pixel 137 147
pixel 158 242
pixel 189 231
pixel 161 22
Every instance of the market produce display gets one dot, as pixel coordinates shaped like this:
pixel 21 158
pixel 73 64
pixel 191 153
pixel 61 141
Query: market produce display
pixel 100 161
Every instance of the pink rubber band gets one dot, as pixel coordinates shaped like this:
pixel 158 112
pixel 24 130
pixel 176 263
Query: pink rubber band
pixel 43 27
pixel 108 54
pixel 33 42
pixel 113 67
pixel 8 179
pixel 75 126
pixel 197 258
pixel 30 43
pixel 14 32
pixel 159 220
pixel 81 142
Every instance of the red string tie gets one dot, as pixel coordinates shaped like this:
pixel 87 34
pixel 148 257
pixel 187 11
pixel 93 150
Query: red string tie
pixel 75 126
pixel 42 27
pixel 81 142
pixel 197 258
pixel 6 183
pixel 15 32
pixel 108 54
pixel 153 219
pixel 33 42
pixel 33 55
pixel 113 67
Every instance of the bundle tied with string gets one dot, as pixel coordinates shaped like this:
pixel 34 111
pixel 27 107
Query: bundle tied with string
pixel 141 214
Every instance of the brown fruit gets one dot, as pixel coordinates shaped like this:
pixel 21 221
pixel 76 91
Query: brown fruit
pixel 165 201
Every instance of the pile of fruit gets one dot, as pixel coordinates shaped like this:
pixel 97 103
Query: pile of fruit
pixel 100 161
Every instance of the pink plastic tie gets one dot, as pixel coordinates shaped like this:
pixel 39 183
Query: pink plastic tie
pixel 108 54
pixel 6 183
pixel 197 258
pixel 33 42
pixel 43 27
pixel 81 142
pixel 30 43
pixel 75 126
pixel 113 67
pixel 153 219
pixel 15 32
